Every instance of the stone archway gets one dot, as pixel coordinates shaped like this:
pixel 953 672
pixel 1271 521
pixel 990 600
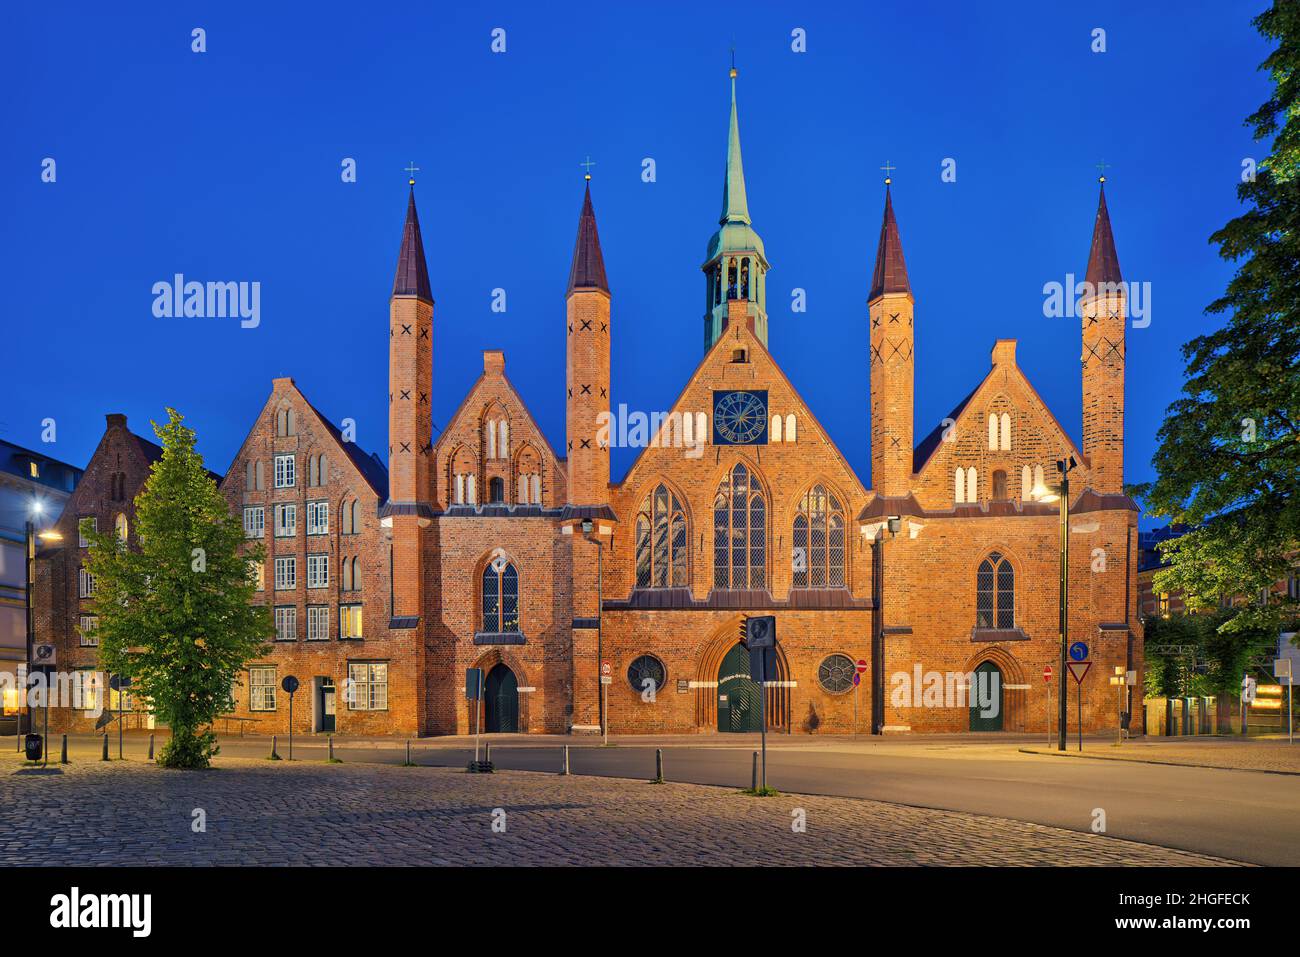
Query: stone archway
pixel 724 640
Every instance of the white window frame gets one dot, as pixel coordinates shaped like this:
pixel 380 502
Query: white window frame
pixel 318 571
pixel 254 521
pixel 286 572
pixel 318 622
pixel 85 583
pixel 351 622
pixel 261 688
pixel 286 471
pixel 318 517
pixel 367 686
pixel 89 631
pixel 286 520
pixel 286 621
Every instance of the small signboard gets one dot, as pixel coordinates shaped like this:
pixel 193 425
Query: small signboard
pixel 605 668
pixel 473 684
pixel 606 680
pixel 1079 651
pixel 760 632
pixel 1078 669
pixel 289 684
pixel 44 655
pixel 1047 672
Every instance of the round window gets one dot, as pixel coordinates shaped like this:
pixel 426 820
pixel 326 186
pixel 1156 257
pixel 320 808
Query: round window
pixel 835 674
pixel 646 668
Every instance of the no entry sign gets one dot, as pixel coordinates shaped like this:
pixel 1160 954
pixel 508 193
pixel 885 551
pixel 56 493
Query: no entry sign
pixel 1047 673
pixel 862 666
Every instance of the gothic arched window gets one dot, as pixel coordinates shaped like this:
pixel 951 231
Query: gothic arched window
pixel 731 279
pixel 819 541
pixel 661 541
pixel 500 597
pixel 496 490
pixel 120 527
pixel 995 593
pixel 739 532
pixel 744 278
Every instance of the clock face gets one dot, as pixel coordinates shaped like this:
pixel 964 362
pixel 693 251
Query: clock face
pixel 740 418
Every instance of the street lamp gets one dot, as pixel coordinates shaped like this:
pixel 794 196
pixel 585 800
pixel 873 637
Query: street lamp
pixel 46 535
pixel 1061 493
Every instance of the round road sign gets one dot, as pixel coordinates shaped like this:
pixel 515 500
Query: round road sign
pixel 1047 673
pixel 862 666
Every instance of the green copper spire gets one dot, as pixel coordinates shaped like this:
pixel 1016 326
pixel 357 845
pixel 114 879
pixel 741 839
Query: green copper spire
pixel 735 265
pixel 735 205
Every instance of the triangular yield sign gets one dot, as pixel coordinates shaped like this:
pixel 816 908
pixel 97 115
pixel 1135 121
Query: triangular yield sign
pixel 1078 669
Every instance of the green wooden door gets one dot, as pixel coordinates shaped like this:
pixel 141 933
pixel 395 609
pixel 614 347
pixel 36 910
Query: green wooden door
pixel 986 696
pixel 738 696
pixel 502 694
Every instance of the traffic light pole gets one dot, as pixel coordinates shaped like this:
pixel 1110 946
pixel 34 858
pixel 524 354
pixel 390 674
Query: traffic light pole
pixel 1063 706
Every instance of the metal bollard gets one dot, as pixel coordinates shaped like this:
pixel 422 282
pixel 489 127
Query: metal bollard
pixel 274 755
pixel 63 754
pixel 753 786
pixel 565 769
pixel 408 751
pixel 487 753
pixel 331 743
pixel 151 747
pixel 104 756
pixel 659 766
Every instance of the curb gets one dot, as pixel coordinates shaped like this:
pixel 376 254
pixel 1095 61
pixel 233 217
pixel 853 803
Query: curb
pixel 1168 764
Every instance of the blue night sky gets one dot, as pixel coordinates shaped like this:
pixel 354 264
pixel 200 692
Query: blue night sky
pixel 226 166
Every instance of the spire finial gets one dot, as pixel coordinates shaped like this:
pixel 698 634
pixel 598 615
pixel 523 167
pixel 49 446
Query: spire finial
pixel 587 165
pixel 411 170
pixel 733 62
pixel 888 169
pixel 1102 166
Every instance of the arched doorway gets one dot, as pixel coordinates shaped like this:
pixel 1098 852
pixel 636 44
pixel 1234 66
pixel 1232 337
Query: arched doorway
pixel 502 701
pixel 986 696
pixel 738 695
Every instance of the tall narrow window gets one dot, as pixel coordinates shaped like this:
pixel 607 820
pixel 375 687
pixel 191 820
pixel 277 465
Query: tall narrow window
pixel 503 439
pixel 1026 483
pixel 260 476
pixel 661 541
pixel 496 490
pixel 1038 476
pixel 739 532
pixel 500 597
pixel 790 434
pixel 995 593
pixel 993 432
pixel 818 556
pixel 774 433
pixel 731 279
pixel 491 429
pixel 120 527
pixel 972 485
pixel 959 486
pixel 1004 433
pixel 744 278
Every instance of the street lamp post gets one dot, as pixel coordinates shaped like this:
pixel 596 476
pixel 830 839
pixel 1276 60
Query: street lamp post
pixel 1061 493
pixel 588 527
pixel 29 584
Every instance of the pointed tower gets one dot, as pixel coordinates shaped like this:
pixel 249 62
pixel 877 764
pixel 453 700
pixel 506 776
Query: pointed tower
pixel 410 385
pixel 587 303
pixel 735 266
pixel 1103 309
pixel 889 307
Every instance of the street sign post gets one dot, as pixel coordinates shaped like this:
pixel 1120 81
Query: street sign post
pixel 1047 710
pixel 1247 699
pixel 1078 669
pixel 606 679
pixel 290 685
pixel 474 692
pixel 1282 669
pixel 120 683
pixel 759 636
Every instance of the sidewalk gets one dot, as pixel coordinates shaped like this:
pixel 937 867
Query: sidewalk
pixel 1271 755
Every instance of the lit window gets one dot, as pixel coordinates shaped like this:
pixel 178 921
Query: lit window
pixel 350 621
pixel 367 688
pixel 286 623
pixel 87 690
pixel 261 689
pixel 661 541
pixel 995 586
pixel 120 527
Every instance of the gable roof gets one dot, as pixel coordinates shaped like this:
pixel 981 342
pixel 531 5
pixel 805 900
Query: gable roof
pixel 513 393
pixel 370 466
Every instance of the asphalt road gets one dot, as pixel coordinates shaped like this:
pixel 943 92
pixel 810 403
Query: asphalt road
pixel 1241 815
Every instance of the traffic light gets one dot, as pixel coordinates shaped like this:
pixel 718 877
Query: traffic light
pixel 744 632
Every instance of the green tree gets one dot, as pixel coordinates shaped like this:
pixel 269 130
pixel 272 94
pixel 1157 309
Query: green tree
pixel 1228 463
pixel 175 611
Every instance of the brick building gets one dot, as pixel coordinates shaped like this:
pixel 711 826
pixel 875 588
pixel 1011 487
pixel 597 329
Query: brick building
pixel 488 547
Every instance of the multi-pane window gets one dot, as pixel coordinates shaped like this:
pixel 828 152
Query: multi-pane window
pixel 286 573
pixel 318 622
pixel 87 690
pixel 261 689
pixel 739 532
pixel 285 476
pixel 835 673
pixel 350 621
pixel 254 521
pixel 367 686
pixel 661 541
pixel 995 598
pixel 257 572
pixel 85 583
pixel 318 571
pixel 286 623
pixel 647 673
pixel 83 526
pixel 818 556
pixel 500 597
pixel 318 518
pixel 286 521
pixel 89 629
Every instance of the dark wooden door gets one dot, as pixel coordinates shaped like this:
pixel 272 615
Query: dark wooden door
pixel 502 693
pixel 738 696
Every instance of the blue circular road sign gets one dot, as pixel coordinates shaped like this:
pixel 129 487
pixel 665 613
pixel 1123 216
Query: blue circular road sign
pixel 1079 651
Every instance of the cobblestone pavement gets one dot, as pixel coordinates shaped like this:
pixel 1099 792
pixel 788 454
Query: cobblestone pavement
pixel 312 813
pixel 1250 754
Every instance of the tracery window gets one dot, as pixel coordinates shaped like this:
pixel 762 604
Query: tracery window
pixel 661 541
pixel 500 597
pixel 995 588
pixel 739 532
pixel 818 560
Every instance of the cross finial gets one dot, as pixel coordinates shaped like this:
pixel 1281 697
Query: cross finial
pixel 888 169
pixel 411 170
pixel 1102 166
pixel 733 62
pixel 587 165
